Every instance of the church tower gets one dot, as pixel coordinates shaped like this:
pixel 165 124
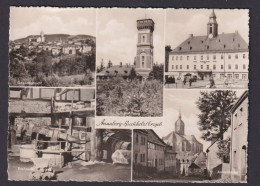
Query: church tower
pixel 179 126
pixel 42 37
pixel 212 27
pixel 144 56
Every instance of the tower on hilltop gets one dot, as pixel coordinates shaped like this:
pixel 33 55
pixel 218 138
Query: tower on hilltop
pixel 144 56
pixel 212 26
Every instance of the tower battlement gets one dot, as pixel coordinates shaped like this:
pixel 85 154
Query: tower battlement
pixel 145 24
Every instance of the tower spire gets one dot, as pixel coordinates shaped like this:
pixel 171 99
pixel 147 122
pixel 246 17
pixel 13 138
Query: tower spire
pixel 179 112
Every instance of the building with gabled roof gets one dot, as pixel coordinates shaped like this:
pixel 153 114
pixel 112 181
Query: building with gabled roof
pixel 216 54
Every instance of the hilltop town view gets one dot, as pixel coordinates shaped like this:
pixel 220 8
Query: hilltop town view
pixel 53 60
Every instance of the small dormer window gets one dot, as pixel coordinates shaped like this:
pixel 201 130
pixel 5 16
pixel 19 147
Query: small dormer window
pixel 179 48
pixel 224 46
pixel 207 46
pixel 219 40
pixel 233 39
pixel 188 42
pixel 201 41
pixel 190 48
pixel 238 45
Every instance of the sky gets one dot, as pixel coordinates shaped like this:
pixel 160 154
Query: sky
pixel 184 101
pixel 31 21
pixel 117 34
pixel 180 23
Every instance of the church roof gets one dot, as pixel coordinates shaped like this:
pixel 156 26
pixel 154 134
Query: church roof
pixel 221 43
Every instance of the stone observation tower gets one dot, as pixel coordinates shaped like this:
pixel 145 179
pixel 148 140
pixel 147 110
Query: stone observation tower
pixel 144 56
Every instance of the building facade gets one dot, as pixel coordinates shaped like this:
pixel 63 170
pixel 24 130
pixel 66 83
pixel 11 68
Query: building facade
pixel 239 127
pixel 214 54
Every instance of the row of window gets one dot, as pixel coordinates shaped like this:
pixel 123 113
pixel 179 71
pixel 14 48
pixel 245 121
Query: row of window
pixel 142 158
pixel 207 57
pixel 207 67
pixel 230 76
pixel 155 147
pixel 143 140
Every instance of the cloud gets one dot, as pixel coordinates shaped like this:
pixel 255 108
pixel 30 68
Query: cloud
pixel 54 25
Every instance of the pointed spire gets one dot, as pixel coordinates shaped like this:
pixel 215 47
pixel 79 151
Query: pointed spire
pixel 179 112
pixel 212 15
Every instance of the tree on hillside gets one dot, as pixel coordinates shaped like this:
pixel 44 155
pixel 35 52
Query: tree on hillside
pixel 156 73
pixel 215 117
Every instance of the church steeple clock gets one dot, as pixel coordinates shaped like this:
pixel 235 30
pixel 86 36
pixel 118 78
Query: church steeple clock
pixel 212 26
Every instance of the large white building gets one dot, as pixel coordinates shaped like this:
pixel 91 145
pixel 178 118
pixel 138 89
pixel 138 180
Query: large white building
pixel 214 54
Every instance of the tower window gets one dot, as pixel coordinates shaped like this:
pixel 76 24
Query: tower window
pixel 214 57
pixel 224 46
pixel 207 57
pixel 222 67
pixel 188 67
pixel 201 57
pixel 210 29
pixel 236 66
pixel 201 67
pixel 207 67
pixel 172 57
pixel 244 66
pixel 176 58
pixel 188 58
pixel 214 67
pixel 172 66
pixel 143 61
pixel 236 56
pixel 180 66
pixel 176 66
pixel 229 56
pixel 195 58
pixel 194 67
pixel 229 67
pixel 143 38
pixel 244 56
pixel 180 57
pixel 222 57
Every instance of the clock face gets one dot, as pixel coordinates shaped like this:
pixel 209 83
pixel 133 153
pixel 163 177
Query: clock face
pixel 210 36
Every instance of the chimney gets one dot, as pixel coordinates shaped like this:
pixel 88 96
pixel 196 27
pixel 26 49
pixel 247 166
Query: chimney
pixel 191 35
pixel 121 64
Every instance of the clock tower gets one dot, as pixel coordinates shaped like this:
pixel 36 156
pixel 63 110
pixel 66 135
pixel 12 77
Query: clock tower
pixel 144 55
pixel 212 27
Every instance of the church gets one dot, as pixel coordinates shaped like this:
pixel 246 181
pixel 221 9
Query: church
pixel 216 54
pixel 187 147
